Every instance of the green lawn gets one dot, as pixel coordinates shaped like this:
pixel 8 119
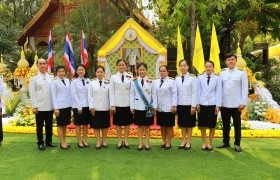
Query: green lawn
pixel 20 159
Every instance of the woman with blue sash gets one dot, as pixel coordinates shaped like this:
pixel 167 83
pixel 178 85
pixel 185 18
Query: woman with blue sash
pixel 141 104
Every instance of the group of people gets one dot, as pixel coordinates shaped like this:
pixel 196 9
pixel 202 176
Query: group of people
pixel 138 100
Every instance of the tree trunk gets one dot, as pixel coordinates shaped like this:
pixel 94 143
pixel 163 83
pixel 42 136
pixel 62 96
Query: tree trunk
pixel 193 29
pixel 131 9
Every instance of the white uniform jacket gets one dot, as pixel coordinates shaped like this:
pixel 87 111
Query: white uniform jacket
pixel 61 93
pixel 136 101
pixel 235 87
pixel 165 96
pixel 40 91
pixel 120 91
pixel 79 93
pixel 98 96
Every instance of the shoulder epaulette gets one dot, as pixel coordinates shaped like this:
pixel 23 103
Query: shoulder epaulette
pixel 93 79
pixel 178 75
pixel 171 78
pixel 135 78
pixel 129 73
pixel 73 79
pixel 241 69
pixel 192 74
pixel 34 74
pixel 54 79
pixel 217 74
pixel 106 79
pixel 151 78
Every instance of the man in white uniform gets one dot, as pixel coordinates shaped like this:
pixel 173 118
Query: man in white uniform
pixel 41 100
pixel 234 100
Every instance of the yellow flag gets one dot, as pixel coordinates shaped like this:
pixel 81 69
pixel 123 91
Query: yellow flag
pixel 215 51
pixel 198 55
pixel 180 52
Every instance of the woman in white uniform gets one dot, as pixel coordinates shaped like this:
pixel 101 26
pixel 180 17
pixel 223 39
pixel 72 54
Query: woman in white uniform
pixel 208 103
pixel 82 117
pixel 99 105
pixel 120 102
pixel 141 104
pixel 62 103
pixel 187 97
pixel 165 102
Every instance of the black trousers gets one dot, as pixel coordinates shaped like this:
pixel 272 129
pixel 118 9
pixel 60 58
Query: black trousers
pixel 41 118
pixel 1 129
pixel 227 113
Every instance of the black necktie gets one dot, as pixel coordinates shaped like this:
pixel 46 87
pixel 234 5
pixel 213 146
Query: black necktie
pixel 100 82
pixel 161 83
pixel 183 78
pixel 63 82
pixel 83 82
pixel 122 78
pixel 142 82
pixel 208 80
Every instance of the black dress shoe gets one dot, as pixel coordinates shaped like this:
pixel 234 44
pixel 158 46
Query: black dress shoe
pixel 223 145
pixel 98 147
pixel 41 147
pixel 86 145
pixel 81 146
pixel 181 147
pixel 162 146
pixel 64 148
pixel 237 148
pixel 119 147
pixel 127 146
pixel 209 148
pixel 167 147
pixel 51 145
pixel 147 148
pixel 204 148
pixel 104 146
pixel 140 149
pixel 188 148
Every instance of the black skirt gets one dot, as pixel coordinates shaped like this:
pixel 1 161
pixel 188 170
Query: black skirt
pixel 64 117
pixel 207 116
pixel 82 119
pixel 123 116
pixel 100 120
pixel 185 119
pixel 165 119
pixel 140 118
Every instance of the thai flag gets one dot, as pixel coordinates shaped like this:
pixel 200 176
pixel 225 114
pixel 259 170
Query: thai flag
pixel 50 55
pixel 83 48
pixel 69 56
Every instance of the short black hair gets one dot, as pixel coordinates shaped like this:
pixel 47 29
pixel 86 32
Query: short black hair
pixel 142 64
pixel 59 67
pixel 231 55
pixel 120 60
pixel 83 66
pixel 166 67
pixel 100 67
pixel 183 61
pixel 209 61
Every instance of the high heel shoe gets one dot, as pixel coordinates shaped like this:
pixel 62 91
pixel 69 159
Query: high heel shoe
pixel 182 147
pixel 80 146
pixel 86 145
pixel 64 148
pixel 188 148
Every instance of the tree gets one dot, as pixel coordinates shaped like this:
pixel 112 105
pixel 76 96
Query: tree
pixel 99 21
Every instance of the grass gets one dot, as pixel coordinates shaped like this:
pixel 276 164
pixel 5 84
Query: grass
pixel 20 159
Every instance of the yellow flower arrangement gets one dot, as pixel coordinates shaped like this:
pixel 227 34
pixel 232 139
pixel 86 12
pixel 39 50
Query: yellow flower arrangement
pixel 21 72
pixel 155 133
pixel 272 115
pixel 244 114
